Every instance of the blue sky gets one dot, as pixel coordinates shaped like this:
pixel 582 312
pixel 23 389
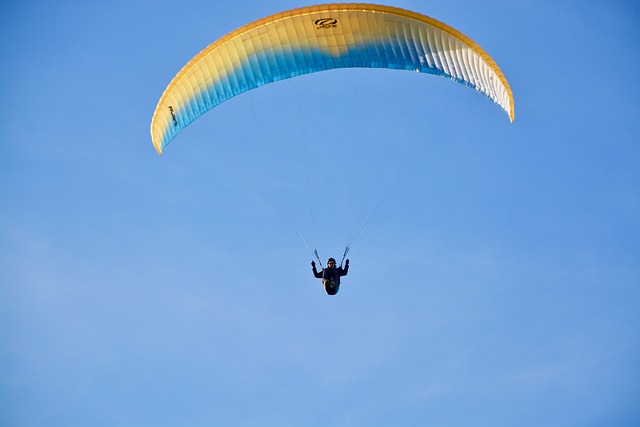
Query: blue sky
pixel 498 284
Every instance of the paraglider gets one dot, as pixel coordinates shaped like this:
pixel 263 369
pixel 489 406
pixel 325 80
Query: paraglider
pixel 331 275
pixel 319 38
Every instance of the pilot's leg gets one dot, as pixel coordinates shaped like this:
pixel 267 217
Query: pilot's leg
pixel 331 288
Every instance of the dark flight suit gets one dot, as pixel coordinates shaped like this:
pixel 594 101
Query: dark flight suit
pixel 331 277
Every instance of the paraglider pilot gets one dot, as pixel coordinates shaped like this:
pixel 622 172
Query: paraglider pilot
pixel 331 275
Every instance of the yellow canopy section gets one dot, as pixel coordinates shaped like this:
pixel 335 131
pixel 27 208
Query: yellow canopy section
pixel 317 38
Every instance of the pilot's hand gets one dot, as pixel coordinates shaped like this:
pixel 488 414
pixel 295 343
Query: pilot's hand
pixel 313 264
pixel 346 263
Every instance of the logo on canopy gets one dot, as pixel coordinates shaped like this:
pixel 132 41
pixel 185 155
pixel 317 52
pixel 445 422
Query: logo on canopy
pixel 326 23
pixel 173 116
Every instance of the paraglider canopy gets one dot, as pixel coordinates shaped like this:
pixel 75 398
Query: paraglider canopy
pixel 318 38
